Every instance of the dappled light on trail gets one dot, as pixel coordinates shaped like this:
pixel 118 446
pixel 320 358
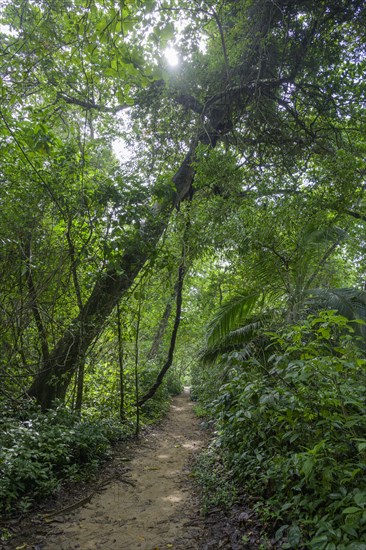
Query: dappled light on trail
pixel 152 505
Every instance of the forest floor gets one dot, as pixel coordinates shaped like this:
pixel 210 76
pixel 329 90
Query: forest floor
pixel 144 499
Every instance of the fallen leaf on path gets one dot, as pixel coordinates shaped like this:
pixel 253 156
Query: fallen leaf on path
pixel 244 516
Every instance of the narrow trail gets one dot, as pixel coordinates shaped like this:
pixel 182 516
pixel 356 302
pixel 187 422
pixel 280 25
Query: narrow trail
pixel 149 508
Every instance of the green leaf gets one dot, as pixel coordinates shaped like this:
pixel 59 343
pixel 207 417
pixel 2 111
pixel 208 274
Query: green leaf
pixel 230 315
pixel 166 34
pixel 307 466
pixel 280 532
pixel 294 535
pixel 149 5
pixel 351 510
pixel 360 498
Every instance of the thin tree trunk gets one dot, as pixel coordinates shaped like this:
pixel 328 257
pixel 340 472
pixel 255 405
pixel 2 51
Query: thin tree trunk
pixel 73 262
pixel 34 299
pixel 80 386
pixel 173 339
pixel 122 414
pixel 159 335
pixel 137 393
pixel 81 367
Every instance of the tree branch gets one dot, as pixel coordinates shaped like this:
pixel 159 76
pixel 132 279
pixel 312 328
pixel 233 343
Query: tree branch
pixel 189 102
pixel 356 215
pixel 88 105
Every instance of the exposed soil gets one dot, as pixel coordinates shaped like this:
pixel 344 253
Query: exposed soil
pixel 144 499
pixel 147 504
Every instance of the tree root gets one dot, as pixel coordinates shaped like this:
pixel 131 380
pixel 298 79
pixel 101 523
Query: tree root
pixel 48 518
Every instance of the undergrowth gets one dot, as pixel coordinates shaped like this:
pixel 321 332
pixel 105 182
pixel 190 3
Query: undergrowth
pixel 38 450
pixel 218 487
pixel 291 426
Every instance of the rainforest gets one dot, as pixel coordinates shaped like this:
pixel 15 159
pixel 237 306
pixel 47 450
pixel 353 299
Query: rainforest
pixel 182 194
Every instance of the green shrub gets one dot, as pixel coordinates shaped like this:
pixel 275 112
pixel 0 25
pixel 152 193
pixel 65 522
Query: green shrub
pixel 38 450
pixel 173 383
pixel 293 428
pixel 217 485
pixel 157 407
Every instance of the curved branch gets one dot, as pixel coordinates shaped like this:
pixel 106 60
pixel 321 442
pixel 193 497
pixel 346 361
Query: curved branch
pixel 189 102
pixel 356 215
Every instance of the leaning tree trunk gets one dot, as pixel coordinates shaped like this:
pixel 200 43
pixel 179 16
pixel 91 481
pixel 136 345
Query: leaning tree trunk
pixel 217 115
pixel 53 379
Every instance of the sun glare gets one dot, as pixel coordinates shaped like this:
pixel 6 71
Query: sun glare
pixel 171 56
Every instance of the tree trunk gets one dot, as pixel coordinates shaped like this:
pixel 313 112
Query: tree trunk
pixel 159 335
pixel 54 377
pixel 122 414
pixel 80 387
pixel 136 370
pixel 34 299
pixel 159 379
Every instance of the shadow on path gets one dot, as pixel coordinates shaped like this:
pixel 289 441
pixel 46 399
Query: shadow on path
pixel 152 506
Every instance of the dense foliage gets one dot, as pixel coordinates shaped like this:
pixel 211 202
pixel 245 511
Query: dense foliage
pixel 147 207
pixel 291 426
pixel 38 451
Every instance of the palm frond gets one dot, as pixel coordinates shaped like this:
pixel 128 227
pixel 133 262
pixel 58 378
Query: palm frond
pixel 349 302
pixel 241 339
pixel 230 317
pixel 315 236
pixel 243 334
pixel 209 356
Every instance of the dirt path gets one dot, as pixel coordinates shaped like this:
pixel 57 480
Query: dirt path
pixel 149 508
